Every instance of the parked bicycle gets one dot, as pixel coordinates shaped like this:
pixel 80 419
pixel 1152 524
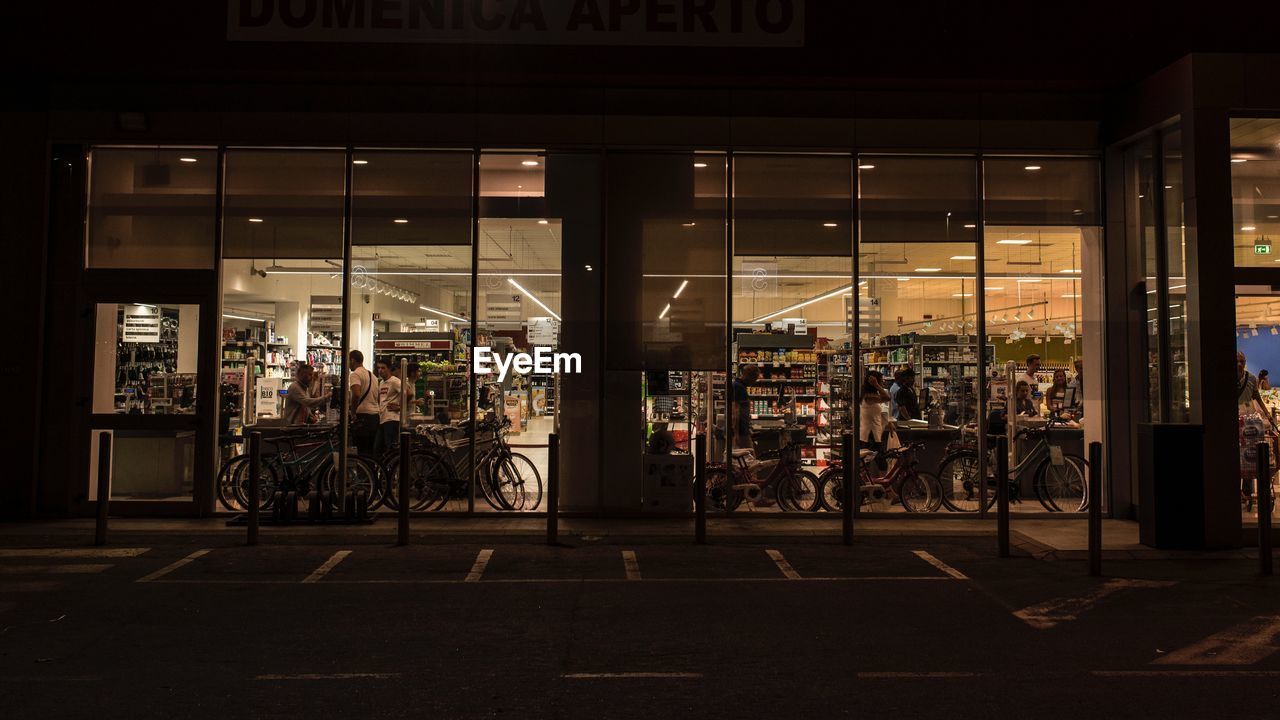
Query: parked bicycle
pixel 1059 480
pixel 903 482
pixel 304 465
pixel 440 468
pixel 778 478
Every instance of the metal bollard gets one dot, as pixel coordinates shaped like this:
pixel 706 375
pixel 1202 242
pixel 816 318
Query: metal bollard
pixel 1095 509
pixel 553 488
pixel 255 489
pixel 1265 504
pixel 402 532
pixel 850 470
pixel 104 487
pixel 700 490
pixel 1002 495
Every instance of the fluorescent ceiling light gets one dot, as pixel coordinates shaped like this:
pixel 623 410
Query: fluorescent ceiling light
pixel 1239 160
pixel 664 312
pixel 689 224
pixel 994 289
pixel 829 224
pixel 243 317
pixel 1248 228
pixel 867 166
pixel 1032 167
pixel 529 163
pixel 1070 270
pixel 699 164
pixel 1029 280
pixel 400 221
pixel 588 268
pixel 962 295
pixel 928 269
pixel 1071 295
pixel 803 303
pixel 543 222
pixel 188 159
pixel 964 257
pixel 680 289
pixel 902 279
pixel 255 220
pixel 359 162
pixel 1013 242
pixel 442 313
pixel 970 226
pixel 532 297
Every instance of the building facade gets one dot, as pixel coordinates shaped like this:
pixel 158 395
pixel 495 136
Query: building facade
pixel 206 200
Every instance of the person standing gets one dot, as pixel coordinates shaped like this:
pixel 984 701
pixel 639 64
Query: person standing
pixel 871 416
pixel 1264 379
pixel 388 408
pixel 905 400
pixel 740 409
pixel 300 404
pixel 362 393
pixel 1056 396
pixel 1073 402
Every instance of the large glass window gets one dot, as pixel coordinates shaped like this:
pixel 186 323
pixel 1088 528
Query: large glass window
pixel 792 286
pixel 151 208
pixel 282 290
pixel 1255 190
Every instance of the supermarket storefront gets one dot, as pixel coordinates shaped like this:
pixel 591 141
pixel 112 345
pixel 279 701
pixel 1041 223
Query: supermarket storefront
pixel 203 242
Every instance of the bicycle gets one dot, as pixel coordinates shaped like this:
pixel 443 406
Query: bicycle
pixel 785 482
pixel 1059 480
pixel 917 491
pixel 441 466
pixel 304 465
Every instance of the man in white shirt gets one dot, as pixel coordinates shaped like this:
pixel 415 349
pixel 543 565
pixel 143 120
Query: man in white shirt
pixel 388 408
pixel 362 388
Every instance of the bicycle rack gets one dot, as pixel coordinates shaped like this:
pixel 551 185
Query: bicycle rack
pixel 322 507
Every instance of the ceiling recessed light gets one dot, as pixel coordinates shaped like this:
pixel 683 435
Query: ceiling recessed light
pixel 964 257
pixel 970 226
pixel 1013 242
pixel 1070 270
pixel 1168 187
pixel 529 163
pixel 690 224
pixel 1031 167
pixel 830 225
pixel 187 159
pixel 909 279
pixel 962 295
pixel 1239 160
pixel 1071 295
pixel 588 267
pixel 359 162
pixel 699 164
pixel 255 219
pixel 1029 280
pixel 1248 228
pixel 400 221
pixel 994 289
pixel 542 222
pixel 928 269
pixel 866 166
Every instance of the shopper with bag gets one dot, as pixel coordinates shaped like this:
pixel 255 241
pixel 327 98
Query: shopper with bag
pixel 362 388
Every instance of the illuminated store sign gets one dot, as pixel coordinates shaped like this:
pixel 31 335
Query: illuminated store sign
pixel 712 23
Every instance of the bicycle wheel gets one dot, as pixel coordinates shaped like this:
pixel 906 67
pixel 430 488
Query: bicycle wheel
pixel 921 492
pixel 519 483
pixel 267 484
pixel 958 477
pixel 799 492
pixel 431 478
pixel 490 485
pixel 362 475
pixel 227 488
pixel 1063 487
pixel 720 492
pixel 831 490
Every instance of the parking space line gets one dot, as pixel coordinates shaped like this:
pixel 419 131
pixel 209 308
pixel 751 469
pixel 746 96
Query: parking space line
pixel 1045 615
pixel 633 675
pixel 1185 673
pixel 629 563
pixel 929 558
pixel 328 565
pixel 72 569
pixel 71 552
pixel 580 581
pixel 330 676
pixel 172 566
pixel 788 572
pixel 477 570
pixel 1244 644
pixel 896 675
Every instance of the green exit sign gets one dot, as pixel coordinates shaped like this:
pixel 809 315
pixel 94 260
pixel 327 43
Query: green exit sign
pixel 1260 249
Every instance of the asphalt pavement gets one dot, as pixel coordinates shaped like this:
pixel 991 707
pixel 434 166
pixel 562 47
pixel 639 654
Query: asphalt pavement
pixel 488 627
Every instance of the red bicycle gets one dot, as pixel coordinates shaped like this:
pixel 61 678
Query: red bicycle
pixel 917 491
pixel 777 478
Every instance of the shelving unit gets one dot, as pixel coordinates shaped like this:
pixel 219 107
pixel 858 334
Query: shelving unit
pixel 789 391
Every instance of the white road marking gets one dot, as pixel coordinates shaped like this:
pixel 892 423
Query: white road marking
pixel 788 572
pixel 477 570
pixel 72 569
pixel 172 566
pixel 582 581
pixel 1185 673
pixel 330 676
pixel 71 552
pixel 1048 614
pixel 630 564
pixel 632 675
pixel 929 558
pixel 1244 644
pixel 328 565
pixel 896 675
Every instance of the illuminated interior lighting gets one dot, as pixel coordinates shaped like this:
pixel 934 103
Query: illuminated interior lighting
pixel 964 257
pixel 359 162
pixel 680 289
pixel 929 270
pixel 1248 228
pixel 529 163
pixel 689 224
pixel 1071 295
pixel 1029 280
pixel 962 295
pixel 255 220
pixel 1013 242
pixel 188 160
pixel 543 222
pixel 400 221
pixel 532 297
pixel 805 303
pixel 1070 270
pixel 664 312
pixel 970 226
pixel 243 317
pixel 588 268
pixel 830 224
pixel 867 166
pixel 1032 167
pixel 442 313
pixel 1239 160
pixel 699 164
pixel 994 289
